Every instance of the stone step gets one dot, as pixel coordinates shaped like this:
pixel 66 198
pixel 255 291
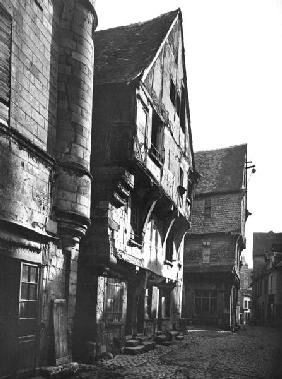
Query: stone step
pixel 134 350
pixel 131 343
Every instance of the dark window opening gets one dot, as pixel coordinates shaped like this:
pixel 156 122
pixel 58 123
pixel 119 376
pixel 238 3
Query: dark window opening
pixel 156 139
pixel 207 210
pixel 172 92
pixel 169 247
pixel 5 64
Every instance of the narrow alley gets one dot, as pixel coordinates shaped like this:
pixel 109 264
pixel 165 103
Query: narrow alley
pixel 203 354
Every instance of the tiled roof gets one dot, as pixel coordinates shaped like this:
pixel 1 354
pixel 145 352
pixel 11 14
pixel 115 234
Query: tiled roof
pixel 220 170
pixel 122 53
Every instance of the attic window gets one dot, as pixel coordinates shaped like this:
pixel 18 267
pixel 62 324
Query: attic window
pixel 172 92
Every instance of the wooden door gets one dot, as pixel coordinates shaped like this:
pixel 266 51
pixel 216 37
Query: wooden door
pixel 60 318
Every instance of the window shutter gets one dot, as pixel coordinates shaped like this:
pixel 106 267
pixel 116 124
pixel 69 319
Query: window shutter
pixel 5 63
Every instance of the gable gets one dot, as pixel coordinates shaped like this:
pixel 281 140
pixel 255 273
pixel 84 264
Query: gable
pixel 122 53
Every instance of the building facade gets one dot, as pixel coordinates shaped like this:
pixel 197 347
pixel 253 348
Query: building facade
pixel 142 162
pixel 217 237
pixel 46 93
pixel 267 278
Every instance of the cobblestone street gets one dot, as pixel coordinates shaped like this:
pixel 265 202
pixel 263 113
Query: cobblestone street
pixel 251 353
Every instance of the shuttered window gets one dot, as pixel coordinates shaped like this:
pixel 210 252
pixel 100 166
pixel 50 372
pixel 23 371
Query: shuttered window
pixel 5 64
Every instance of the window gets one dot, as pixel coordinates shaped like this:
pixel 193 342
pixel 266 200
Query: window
pixel 156 150
pixel 246 304
pixel 113 303
pixel 206 252
pixel 5 64
pixel 205 301
pixel 207 210
pixel 28 300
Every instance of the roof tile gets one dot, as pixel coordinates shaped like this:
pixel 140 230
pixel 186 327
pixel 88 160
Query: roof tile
pixel 122 53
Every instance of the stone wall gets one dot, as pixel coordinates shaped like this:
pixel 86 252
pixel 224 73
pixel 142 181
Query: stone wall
pixel 45 150
pixel 226 212
pixel 222 250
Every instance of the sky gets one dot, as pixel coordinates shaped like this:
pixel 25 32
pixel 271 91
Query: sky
pixel 234 73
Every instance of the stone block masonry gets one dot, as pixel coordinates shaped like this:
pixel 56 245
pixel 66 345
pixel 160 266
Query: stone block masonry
pixel 44 166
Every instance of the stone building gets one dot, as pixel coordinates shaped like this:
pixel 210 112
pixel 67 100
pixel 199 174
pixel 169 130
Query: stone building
pixel 217 237
pixel 46 90
pixel 267 278
pixel 142 162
